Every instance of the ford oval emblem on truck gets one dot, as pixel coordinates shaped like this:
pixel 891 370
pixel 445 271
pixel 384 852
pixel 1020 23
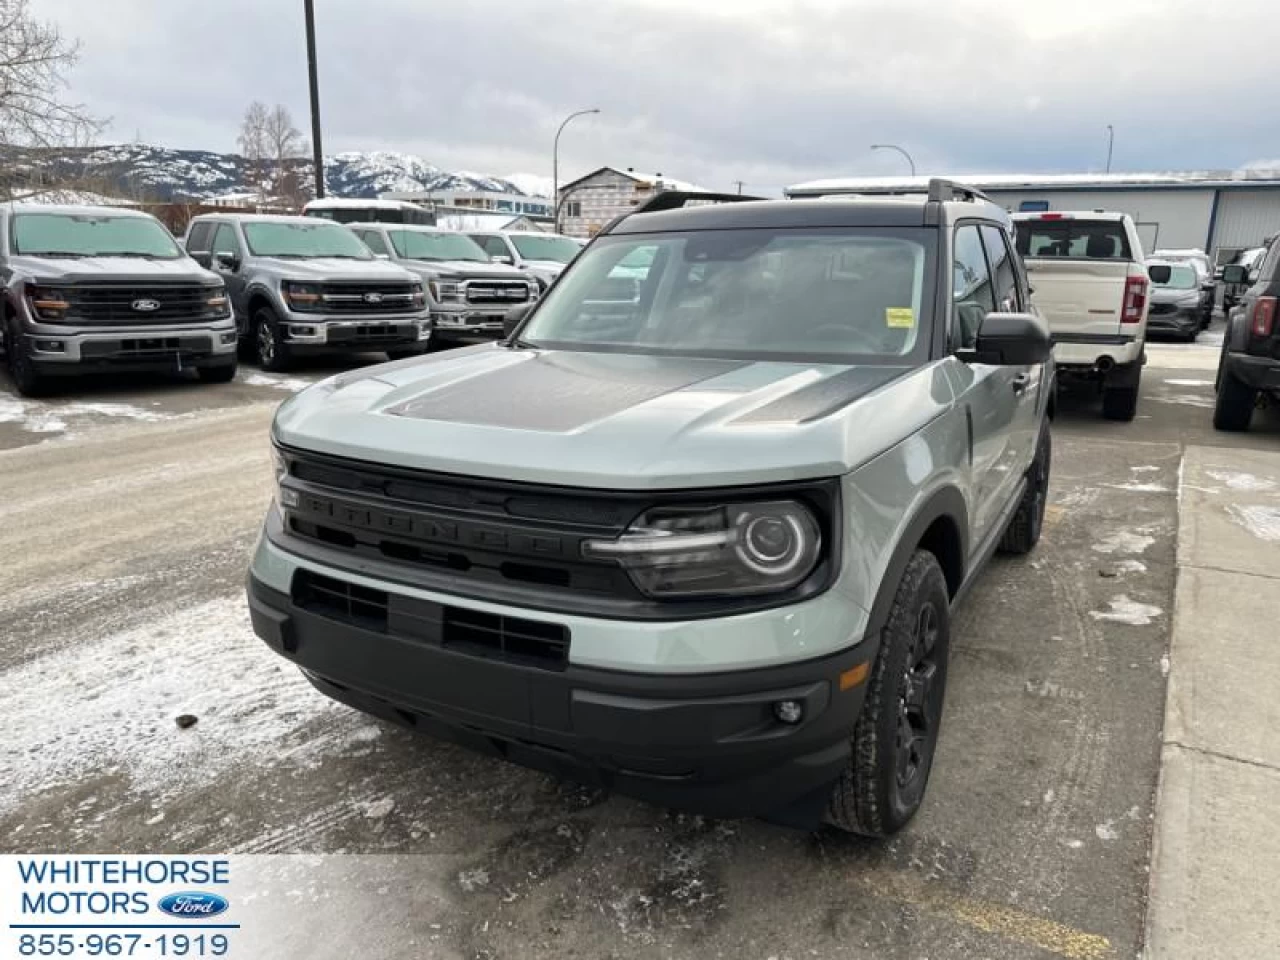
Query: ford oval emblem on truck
pixel 373 297
pixel 193 906
pixel 146 306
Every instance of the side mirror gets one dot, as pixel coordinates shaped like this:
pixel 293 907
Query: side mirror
pixel 1234 274
pixel 203 257
pixel 502 258
pixel 1159 272
pixel 227 261
pixel 1011 340
pixel 515 316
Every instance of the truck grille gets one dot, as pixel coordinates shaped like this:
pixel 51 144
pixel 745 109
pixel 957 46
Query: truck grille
pixel 150 304
pixel 496 292
pixel 1159 308
pixel 368 298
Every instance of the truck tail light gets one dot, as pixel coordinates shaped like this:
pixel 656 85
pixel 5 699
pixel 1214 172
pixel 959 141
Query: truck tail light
pixel 1135 298
pixel 1264 316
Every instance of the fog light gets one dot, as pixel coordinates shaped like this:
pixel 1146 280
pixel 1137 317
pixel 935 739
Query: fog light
pixel 789 711
pixel 424 332
pixel 288 498
pixel 302 330
pixel 50 346
pixel 229 337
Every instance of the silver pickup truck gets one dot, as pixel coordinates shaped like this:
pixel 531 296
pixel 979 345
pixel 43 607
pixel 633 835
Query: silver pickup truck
pixel 703 550
pixel 303 286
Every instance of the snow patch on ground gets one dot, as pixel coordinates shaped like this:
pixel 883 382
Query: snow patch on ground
pixel 1146 469
pixel 35 417
pixel 1130 566
pixel 1107 830
pixel 1187 399
pixel 108 706
pixel 1189 383
pixel 1242 481
pixel 1263 522
pixel 1124 541
pixel 292 384
pixel 1124 610
pixel 1139 487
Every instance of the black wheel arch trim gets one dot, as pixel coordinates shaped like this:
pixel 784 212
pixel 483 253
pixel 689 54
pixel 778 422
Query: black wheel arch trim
pixel 947 503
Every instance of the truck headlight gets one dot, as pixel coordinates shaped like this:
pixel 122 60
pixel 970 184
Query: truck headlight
pixel 301 296
pixel 216 300
pixel 446 291
pixel 419 298
pixel 47 303
pixel 284 497
pixel 729 550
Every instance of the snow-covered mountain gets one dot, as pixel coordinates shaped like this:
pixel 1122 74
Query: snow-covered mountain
pixel 159 173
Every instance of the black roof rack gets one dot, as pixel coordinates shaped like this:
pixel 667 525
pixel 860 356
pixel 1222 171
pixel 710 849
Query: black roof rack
pixel 675 199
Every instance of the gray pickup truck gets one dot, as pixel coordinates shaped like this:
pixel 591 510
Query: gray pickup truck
pixel 103 289
pixel 469 295
pixel 703 551
pixel 303 286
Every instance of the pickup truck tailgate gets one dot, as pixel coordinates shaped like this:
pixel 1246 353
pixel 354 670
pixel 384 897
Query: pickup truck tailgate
pixel 1079 296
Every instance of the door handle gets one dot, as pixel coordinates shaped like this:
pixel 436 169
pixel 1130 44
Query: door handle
pixel 1020 383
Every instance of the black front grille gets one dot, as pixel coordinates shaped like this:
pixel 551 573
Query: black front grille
pixel 368 298
pixel 472 632
pixel 1159 308
pixel 496 292
pixel 128 304
pixel 372 333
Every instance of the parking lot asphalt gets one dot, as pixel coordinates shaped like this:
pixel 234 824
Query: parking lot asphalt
pixel 126 523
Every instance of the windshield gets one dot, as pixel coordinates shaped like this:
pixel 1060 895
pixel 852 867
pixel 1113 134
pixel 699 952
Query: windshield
pixel 1180 278
pixel 419 245
pixel 558 249
pixel 830 295
pixel 91 235
pixel 1073 239
pixel 307 239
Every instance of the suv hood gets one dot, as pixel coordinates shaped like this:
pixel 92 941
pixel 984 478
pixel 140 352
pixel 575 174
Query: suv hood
pixel 320 269
pixel 467 269
pixel 1173 295
pixel 613 420
pixel 112 269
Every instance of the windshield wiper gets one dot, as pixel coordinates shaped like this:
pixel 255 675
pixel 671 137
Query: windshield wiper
pixel 53 254
pixel 341 256
pixel 138 254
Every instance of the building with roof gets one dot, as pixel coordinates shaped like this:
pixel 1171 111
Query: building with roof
pixel 591 201
pixel 464 220
pixel 1220 212
pixel 485 201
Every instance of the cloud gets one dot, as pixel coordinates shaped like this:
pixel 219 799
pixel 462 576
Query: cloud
pixel 765 91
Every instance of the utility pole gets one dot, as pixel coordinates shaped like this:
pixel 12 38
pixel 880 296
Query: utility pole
pixel 1111 142
pixel 740 186
pixel 316 147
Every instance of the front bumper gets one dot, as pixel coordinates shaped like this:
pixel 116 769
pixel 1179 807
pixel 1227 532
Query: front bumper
pixel 307 333
pixel 1260 373
pixel 468 324
pixel 1184 321
pixel 708 742
pixel 58 349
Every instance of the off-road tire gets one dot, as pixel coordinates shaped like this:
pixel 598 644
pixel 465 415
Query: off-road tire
pixel 869 798
pixel 1023 531
pixel 272 355
pixel 223 374
pixel 27 380
pixel 1233 408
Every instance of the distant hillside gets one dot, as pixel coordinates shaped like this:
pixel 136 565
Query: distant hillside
pixel 158 173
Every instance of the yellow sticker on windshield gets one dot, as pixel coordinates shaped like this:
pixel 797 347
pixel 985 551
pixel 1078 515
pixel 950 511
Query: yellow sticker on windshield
pixel 900 318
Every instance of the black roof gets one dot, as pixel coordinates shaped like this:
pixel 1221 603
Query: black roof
pixel 886 212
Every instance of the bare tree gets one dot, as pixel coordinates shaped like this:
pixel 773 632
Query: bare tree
pixel 254 147
pixel 285 146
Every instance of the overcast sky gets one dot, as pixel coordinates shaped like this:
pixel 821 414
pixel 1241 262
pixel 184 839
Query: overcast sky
pixel 765 91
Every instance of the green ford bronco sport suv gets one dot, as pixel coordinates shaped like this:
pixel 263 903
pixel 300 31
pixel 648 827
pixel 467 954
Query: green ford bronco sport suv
pixel 699 543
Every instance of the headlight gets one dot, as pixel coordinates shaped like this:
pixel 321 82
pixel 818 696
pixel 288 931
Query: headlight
pixel 47 303
pixel 535 289
pixel 301 296
pixel 283 495
pixel 446 291
pixel 419 298
pixel 217 301
pixel 731 550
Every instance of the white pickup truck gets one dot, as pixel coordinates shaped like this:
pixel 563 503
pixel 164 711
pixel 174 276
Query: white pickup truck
pixel 1089 280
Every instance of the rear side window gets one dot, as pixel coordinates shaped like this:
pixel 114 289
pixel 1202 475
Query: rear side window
pixel 971 286
pixel 1073 239
pixel 1008 297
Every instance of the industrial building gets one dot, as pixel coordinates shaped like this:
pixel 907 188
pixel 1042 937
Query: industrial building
pixel 1219 212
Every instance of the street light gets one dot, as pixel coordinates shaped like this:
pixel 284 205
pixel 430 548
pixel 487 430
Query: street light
pixel 318 150
pixel 1111 142
pixel 894 146
pixel 555 164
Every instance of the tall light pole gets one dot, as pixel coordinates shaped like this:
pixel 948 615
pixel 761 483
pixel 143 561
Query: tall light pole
pixel 318 150
pixel 1111 143
pixel 555 163
pixel 894 146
